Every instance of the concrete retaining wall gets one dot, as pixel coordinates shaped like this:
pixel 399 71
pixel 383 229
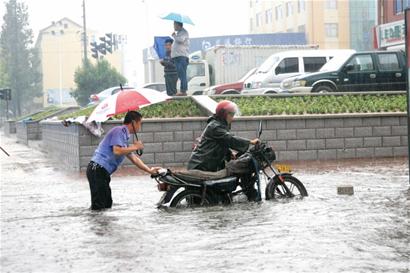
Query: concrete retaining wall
pixel 168 142
pixel 28 130
pixel 9 127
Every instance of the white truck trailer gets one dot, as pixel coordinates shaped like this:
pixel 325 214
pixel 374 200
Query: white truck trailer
pixel 220 64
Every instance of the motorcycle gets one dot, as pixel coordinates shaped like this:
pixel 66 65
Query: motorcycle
pixel 198 188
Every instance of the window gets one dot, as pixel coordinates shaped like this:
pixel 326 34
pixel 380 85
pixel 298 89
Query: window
pixel 313 64
pixel 289 10
pixel 388 62
pixel 331 30
pixel 301 6
pixel 361 63
pixel 258 19
pixel 302 28
pixel 268 16
pixel 65 25
pixel 278 13
pixel 401 5
pixel 251 24
pixel 331 4
pixel 288 65
pixel 195 70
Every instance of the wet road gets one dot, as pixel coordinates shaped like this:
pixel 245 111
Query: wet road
pixel 46 226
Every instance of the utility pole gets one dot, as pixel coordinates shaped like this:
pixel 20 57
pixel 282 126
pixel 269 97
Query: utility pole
pixel 84 33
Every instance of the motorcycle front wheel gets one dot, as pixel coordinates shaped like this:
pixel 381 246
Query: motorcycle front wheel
pixel 276 189
pixel 190 199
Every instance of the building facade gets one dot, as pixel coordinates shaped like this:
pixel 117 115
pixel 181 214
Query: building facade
pixel 61 52
pixel 327 23
pixel 390 31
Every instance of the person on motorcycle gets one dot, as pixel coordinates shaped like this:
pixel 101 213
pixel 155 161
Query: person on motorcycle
pixel 216 141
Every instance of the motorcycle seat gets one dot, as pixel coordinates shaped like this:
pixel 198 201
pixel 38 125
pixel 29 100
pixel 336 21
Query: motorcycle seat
pixel 227 184
pixel 197 176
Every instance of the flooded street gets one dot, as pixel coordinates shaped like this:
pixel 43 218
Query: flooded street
pixel 46 225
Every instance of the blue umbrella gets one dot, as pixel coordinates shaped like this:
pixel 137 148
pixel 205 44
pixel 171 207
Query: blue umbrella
pixel 173 16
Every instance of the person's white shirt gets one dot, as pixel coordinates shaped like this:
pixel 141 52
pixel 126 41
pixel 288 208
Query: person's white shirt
pixel 180 46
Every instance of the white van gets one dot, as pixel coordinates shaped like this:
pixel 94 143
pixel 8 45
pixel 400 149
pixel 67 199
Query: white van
pixel 287 64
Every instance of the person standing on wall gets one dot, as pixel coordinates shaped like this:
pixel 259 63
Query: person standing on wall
pixel 179 55
pixel 170 70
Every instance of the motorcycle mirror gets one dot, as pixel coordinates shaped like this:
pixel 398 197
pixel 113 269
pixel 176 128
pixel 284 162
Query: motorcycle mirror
pixel 260 129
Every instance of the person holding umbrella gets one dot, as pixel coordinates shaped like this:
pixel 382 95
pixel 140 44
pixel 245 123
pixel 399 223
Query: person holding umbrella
pixel 180 53
pixel 109 155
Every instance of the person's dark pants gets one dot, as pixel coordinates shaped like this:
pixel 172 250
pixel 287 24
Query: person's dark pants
pixel 171 83
pixel 181 64
pixel 99 180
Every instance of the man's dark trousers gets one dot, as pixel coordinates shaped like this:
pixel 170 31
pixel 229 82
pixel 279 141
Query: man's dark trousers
pixel 171 83
pixel 99 180
pixel 181 63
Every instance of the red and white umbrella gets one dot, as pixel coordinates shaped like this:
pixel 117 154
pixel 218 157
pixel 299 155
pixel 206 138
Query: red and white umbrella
pixel 124 101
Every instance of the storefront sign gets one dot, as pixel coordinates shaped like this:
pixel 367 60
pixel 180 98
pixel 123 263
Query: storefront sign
pixel 390 34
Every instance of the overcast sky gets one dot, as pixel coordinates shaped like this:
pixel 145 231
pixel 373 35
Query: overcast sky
pixel 139 19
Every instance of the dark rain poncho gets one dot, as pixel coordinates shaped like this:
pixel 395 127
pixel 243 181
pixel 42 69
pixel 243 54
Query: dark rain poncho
pixel 213 150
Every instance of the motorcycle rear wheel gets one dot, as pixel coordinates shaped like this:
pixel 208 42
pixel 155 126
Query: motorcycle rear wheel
pixel 276 190
pixel 190 199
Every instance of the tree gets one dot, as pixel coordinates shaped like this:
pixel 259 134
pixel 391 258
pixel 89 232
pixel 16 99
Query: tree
pixel 93 78
pixel 19 57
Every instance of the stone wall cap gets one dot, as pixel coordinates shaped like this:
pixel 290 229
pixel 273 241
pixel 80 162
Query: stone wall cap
pixel 271 117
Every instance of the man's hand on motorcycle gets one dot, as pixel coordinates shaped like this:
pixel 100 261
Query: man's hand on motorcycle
pixel 137 145
pixel 154 170
pixel 255 141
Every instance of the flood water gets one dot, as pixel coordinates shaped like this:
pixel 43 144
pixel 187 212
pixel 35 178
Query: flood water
pixel 46 225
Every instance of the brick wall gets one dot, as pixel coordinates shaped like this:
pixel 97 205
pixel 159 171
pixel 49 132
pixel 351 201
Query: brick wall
pixel 9 127
pixel 28 131
pixel 168 142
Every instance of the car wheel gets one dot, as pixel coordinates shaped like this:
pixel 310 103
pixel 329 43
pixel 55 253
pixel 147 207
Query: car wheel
pixel 270 92
pixel 323 88
pixel 230 92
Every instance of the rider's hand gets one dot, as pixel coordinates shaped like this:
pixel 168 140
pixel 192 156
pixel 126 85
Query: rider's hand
pixel 154 170
pixel 137 145
pixel 255 141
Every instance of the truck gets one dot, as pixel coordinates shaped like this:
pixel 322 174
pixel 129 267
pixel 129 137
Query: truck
pixel 221 64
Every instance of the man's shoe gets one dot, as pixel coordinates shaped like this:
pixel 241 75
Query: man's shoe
pixel 179 94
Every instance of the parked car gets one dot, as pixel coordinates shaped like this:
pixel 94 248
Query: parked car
pixel 287 64
pixel 99 97
pixel 230 88
pixel 361 71
pixel 159 86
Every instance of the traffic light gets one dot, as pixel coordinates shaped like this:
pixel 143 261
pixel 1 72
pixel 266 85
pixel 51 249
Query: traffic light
pixel 94 50
pixel 5 94
pixel 102 48
pixel 109 42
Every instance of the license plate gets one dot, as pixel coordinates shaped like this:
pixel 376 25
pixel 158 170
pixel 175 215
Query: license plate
pixel 283 168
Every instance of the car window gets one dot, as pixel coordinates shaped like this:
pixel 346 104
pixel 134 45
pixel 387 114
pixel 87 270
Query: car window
pixel 362 62
pixel 313 64
pixel 388 61
pixel 287 65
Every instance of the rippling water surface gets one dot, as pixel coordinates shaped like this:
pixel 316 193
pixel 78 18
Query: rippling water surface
pixel 46 226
